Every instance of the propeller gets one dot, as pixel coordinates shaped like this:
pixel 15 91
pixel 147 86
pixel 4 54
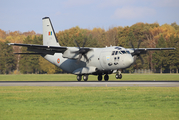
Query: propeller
pixel 82 51
pixel 137 52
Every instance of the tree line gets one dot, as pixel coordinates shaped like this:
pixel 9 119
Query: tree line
pixel 151 36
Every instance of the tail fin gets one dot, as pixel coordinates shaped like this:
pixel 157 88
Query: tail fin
pixel 49 37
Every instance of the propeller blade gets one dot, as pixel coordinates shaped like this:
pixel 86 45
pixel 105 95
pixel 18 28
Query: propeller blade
pixel 139 43
pixel 136 52
pixel 86 58
pixel 132 44
pixel 79 58
pixel 82 51
pixel 84 42
pixel 141 59
pixel 77 44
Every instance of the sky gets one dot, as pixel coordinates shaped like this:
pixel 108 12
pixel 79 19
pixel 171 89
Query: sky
pixel 26 15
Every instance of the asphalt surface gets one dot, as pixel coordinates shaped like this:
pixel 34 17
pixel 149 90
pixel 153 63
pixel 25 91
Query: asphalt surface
pixel 92 83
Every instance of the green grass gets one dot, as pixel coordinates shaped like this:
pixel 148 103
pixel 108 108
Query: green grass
pixel 70 77
pixel 80 103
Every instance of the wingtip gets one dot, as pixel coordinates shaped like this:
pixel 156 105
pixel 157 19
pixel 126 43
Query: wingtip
pixel 10 43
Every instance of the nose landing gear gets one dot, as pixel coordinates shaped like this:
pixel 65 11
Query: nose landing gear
pixel 118 74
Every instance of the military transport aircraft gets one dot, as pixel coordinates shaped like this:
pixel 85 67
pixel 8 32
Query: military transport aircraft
pixel 84 61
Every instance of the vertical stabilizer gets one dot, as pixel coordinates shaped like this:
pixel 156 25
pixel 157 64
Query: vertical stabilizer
pixel 49 37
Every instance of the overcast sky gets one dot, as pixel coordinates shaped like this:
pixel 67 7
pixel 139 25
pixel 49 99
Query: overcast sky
pixel 26 15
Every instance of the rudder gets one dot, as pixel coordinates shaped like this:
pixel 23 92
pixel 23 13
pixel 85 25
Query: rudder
pixel 49 37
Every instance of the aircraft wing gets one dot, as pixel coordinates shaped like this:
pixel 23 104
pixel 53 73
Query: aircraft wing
pixel 144 50
pixel 41 49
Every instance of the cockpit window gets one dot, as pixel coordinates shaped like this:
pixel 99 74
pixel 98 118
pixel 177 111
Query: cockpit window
pixel 113 52
pixel 120 52
pixel 124 52
pixel 128 52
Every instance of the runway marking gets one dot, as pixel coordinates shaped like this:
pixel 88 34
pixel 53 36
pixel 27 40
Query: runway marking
pixel 92 84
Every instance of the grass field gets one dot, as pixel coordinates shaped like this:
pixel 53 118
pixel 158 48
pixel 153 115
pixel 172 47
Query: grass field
pixel 98 103
pixel 70 77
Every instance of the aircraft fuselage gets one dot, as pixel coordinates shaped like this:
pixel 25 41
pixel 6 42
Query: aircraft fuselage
pixel 109 58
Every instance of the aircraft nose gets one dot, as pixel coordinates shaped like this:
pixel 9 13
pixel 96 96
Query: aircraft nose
pixel 129 60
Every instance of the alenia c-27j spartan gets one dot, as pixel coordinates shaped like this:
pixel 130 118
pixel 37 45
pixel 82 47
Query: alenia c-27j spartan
pixel 84 61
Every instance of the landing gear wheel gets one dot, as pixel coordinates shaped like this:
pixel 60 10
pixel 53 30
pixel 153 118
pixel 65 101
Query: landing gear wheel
pixel 78 77
pixel 100 77
pixel 118 76
pixel 85 77
pixel 106 77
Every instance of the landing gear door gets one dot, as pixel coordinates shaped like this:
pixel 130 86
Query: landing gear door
pixel 106 60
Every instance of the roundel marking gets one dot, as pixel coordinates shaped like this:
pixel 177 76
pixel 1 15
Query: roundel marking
pixel 58 60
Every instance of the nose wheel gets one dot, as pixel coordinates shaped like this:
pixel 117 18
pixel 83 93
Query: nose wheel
pixel 118 76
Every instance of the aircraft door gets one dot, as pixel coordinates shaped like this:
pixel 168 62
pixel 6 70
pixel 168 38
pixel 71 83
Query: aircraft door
pixel 106 60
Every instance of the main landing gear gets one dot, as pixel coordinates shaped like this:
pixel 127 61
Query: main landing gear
pixel 100 77
pixel 85 77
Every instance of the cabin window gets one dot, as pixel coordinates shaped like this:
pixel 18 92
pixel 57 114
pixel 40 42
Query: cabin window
pixel 116 52
pixel 117 48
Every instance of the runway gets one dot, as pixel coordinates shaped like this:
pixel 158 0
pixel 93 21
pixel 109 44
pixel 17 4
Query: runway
pixel 92 83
